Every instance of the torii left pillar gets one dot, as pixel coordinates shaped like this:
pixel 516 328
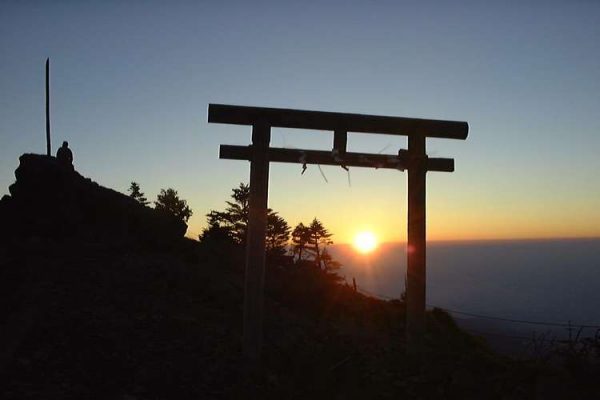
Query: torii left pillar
pixel 255 243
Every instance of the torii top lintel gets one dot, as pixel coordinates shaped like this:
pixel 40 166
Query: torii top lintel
pixel 332 121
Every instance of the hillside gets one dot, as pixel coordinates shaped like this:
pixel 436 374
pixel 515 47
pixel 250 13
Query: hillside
pixel 116 304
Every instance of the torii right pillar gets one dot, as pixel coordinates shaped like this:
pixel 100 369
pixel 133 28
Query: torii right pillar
pixel 416 246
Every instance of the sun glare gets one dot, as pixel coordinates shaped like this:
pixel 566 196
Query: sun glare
pixel 365 242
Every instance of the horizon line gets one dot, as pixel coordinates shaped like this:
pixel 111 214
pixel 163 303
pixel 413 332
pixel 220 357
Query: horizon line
pixel 526 239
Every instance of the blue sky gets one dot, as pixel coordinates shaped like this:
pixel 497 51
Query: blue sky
pixel 131 82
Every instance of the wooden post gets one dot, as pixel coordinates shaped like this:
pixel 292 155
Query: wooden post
pixel 415 276
pixel 48 147
pixel 255 243
pixel 340 142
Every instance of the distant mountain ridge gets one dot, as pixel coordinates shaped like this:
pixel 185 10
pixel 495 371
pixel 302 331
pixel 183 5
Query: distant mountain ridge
pixel 536 280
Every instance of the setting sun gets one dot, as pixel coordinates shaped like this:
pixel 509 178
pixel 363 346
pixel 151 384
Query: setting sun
pixel 365 242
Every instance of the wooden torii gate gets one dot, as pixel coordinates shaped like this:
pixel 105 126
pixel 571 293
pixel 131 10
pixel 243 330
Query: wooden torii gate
pixel 414 159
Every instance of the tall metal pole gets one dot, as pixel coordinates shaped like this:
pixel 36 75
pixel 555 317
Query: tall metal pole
pixel 255 243
pixel 48 147
pixel 416 250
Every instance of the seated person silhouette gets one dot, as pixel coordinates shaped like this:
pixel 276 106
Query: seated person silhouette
pixel 64 155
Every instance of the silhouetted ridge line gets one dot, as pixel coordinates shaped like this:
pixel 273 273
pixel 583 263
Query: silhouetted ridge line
pixel 484 333
pixel 52 200
pixel 518 321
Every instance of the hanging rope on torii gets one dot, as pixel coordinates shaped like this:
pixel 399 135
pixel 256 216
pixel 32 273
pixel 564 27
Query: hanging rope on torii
pixel 414 160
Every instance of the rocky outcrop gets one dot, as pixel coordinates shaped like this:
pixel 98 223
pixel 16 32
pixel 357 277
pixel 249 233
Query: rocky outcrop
pixel 52 200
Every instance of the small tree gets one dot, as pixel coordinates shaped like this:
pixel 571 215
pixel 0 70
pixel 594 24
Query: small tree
pixel 300 239
pixel 168 201
pixel 136 194
pixel 313 239
pixel 235 216
pixel 319 238
pixel 217 235
pixel 234 222
pixel 278 233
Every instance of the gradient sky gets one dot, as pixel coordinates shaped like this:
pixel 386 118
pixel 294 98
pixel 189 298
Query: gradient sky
pixel 131 82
